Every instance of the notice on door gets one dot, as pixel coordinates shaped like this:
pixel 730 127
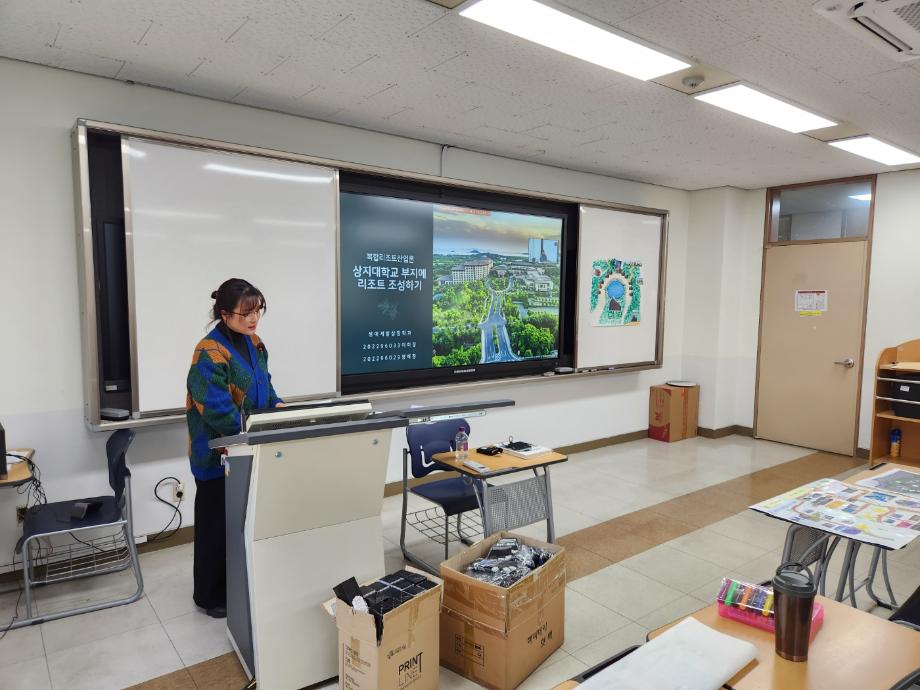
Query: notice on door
pixel 810 302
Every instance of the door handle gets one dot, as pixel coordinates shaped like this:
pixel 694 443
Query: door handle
pixel 848 363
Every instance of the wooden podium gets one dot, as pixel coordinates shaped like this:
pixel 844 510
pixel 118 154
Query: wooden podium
pixel 303 513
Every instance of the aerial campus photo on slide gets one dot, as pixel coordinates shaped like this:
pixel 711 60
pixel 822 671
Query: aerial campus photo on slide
pixel 429 285
pixel 496 286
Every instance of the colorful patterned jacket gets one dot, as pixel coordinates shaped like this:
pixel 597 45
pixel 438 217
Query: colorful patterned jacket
pixel 221 383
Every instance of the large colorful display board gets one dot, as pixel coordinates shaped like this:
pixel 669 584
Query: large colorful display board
pixel 869 515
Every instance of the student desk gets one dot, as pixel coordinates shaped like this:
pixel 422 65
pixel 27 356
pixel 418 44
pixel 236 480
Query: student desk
pixel 853 649
pixel 847 574
pixel 18 473
pixel 512 505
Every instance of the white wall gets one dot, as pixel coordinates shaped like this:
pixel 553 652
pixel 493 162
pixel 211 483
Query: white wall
pixel 725 237
pixel 894 279
pixel 725 244
pixel 41 396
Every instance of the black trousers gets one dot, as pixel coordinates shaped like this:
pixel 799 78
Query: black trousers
pixel 210 569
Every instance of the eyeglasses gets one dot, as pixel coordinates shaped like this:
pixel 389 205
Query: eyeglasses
pixel 258 313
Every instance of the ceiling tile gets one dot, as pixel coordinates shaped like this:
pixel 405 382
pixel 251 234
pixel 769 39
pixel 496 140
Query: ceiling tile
pixel 412 68
pixel 685 27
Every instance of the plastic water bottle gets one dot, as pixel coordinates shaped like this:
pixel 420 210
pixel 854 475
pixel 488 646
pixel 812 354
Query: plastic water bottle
pixel 462 444
pixel 895 438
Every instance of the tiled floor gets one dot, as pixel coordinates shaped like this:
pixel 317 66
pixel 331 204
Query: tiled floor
pixel 613 599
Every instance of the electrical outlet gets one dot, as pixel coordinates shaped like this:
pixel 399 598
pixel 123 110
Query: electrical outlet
pixel 21 514
pixel 178 492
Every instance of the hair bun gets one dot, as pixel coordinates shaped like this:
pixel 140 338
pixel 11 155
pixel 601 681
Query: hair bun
pixel 214 295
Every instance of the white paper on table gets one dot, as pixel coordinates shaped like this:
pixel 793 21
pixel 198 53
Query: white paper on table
pixel 689 656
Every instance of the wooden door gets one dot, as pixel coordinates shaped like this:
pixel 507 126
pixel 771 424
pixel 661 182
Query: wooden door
pixel 811 338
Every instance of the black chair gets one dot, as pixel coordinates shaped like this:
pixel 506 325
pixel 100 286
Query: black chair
pixel 810 546
pixel 908 613
pixel 90 555
pixel 911 680
pixel 453 497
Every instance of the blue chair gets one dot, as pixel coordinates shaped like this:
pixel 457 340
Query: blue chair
pixel 86 556
pixel 453 497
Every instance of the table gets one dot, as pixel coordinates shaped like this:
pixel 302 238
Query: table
pixel 847 575
pixel 20 472
pixel 853 649
pixel 513 505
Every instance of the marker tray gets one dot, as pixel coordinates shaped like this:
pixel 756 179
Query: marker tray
pixel 753 605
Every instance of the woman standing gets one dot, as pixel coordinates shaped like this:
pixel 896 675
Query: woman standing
pixel 229 376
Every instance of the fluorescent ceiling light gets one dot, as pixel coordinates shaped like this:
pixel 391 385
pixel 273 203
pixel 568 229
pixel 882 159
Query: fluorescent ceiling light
pixel 748 102
pixel 861 197
pixel 554 29
pixel 252 172
pixel 872 148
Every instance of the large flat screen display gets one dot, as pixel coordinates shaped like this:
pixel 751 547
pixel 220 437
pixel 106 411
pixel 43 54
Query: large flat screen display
pixel 434 286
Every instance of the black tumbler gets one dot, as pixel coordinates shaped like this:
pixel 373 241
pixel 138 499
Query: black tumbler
pixel 794 591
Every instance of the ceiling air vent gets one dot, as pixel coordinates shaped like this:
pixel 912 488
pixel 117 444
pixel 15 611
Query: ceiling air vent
pixel 892 26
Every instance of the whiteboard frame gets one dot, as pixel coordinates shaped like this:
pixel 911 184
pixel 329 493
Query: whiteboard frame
pixel 86 266
pixel 663 217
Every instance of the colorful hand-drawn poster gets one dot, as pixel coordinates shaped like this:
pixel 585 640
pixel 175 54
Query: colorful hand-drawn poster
pixel 616 292
pixel 871 516
pixel 898 481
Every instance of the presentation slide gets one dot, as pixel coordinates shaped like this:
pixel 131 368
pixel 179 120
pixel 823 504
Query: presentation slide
pixel 428 285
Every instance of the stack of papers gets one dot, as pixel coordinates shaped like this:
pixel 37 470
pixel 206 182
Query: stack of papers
pixel 689 656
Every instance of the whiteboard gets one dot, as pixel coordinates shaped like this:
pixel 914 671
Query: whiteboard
pixel 197 217
pixel 604 339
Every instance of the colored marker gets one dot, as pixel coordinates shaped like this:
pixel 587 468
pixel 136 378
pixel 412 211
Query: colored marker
pixel 748 593
pixel 731 593
pixel 768 605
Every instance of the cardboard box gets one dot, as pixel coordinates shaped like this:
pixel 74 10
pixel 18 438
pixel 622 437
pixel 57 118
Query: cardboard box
pixel 673 412
pixel 405 658
pixel 497 636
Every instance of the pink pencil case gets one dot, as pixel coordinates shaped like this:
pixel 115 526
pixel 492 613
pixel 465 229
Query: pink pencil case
pixel 753 605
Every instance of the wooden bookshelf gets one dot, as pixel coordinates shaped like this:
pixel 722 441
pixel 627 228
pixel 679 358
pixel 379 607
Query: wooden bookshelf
pixel 902 367
pixel 903 359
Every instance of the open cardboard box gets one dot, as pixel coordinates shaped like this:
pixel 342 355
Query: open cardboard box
pixel 406 656
pixel 497 636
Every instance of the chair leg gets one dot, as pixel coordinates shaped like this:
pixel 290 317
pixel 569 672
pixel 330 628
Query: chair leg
pixel 463 538
pixel 135 561
pixel 446 535
pixel 879 555
pixel 852 576
pixel 405 504
pixel 27 575
pixel 824 563
pixel 787 544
